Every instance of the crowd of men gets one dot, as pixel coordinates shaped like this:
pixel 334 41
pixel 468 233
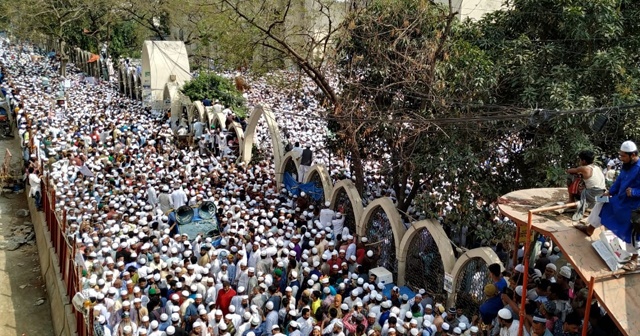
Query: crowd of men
pixel 283 265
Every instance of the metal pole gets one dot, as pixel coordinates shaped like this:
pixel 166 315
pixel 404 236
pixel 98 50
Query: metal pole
pixel 516 246
pixel 587 308
pixel 525 278
pixel 527 246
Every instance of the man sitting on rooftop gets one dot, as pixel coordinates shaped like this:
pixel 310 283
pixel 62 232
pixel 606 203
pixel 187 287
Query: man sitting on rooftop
pixel 594 182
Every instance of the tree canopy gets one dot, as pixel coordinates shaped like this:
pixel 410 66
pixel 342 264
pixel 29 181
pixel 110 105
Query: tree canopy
pixel 212 86
pixel 458 113
pixel 564 55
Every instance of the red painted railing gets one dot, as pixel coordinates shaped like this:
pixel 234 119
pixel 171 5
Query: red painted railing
pixel 65 250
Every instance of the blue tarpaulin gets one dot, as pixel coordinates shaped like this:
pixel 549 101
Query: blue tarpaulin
pixel 295 188
pixel 403 290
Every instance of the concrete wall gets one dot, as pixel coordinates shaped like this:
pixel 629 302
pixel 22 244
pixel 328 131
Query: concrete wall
pixel 473 9
pixel 62 312
pixel 161 60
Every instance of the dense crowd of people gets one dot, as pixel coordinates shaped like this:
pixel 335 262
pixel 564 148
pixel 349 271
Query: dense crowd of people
pixel 282 265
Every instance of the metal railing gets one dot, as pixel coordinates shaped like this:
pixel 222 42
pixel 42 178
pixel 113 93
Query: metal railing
pixel 65 250
pixel 63 246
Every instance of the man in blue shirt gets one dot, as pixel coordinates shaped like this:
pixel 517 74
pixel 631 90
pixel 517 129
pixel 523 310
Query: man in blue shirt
pixel 624 197
pixel 489 309
pixel 496 276
pixel 385 306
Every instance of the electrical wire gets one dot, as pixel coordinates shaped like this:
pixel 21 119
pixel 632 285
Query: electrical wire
pixel 526 113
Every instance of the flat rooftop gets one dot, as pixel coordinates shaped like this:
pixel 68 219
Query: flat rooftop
pixel 620 297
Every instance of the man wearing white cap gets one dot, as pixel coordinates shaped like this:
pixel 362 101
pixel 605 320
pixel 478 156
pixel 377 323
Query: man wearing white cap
pixel 624 198
pixel 326 215
pixel 254 257
pixel 165 200
pixel 539 326
pixel 191 313
pixel 125 325
pixel 351 247
pixel 179 196
pixel 508 326
pixel 338 223
pixel 100 327
pixel 296 152
pixel 550 272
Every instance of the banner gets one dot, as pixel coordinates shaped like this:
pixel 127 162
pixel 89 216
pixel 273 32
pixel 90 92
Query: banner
pixel 295 188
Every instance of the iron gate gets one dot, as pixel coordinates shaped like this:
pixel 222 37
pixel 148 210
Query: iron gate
pixel 315 179
pixel 343 205
pixel 424 264
pixel 290 167
pixel 379 232
pixel 470 284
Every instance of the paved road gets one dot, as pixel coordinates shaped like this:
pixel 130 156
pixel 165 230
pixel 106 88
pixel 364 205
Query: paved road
pixel 21 285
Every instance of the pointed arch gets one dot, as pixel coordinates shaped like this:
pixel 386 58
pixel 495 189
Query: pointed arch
pixel 102 64
pixel 211 117
pixel 466 273
pixel 274 132
pixel 92 68
pixel 200 111
pixel 164 62
pixel 377 231
pixel 281 169
pixel 442 242
pixel 132 83
pixel 85 64
pixel 216 117
pixel 325 178
pixel 127 85
pixel 138 88
pixel 122 82
pixel 191 113
pixel 83 61
pixel 239 132
pixel 75 55
pixel 351 191
pixel 392 213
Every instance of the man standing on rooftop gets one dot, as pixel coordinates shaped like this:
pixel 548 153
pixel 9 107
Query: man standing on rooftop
pixel 624 197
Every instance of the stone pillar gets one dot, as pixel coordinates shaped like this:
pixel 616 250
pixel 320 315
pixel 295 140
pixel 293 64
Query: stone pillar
pixel 402 267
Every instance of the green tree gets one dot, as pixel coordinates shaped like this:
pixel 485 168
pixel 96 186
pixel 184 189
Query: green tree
pixel 564 55
pixel 406 66
pixel 212 86
pixel 126 40
pixel 51 18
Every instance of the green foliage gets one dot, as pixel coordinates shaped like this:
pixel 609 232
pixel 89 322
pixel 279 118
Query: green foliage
pixel 407 65
pixel 564 55
pixel 125 40
pixel 212 86
pixel 551 55
pixel 408 60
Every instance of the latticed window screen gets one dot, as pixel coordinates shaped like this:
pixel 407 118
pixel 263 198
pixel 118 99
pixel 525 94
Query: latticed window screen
pixel 290 167
pixel 236 146
pixel 214 121
pixel 315 179
pixel 379 232
pixel 470 284
pixel 263 140
pixel 343 204
pixel 424 264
